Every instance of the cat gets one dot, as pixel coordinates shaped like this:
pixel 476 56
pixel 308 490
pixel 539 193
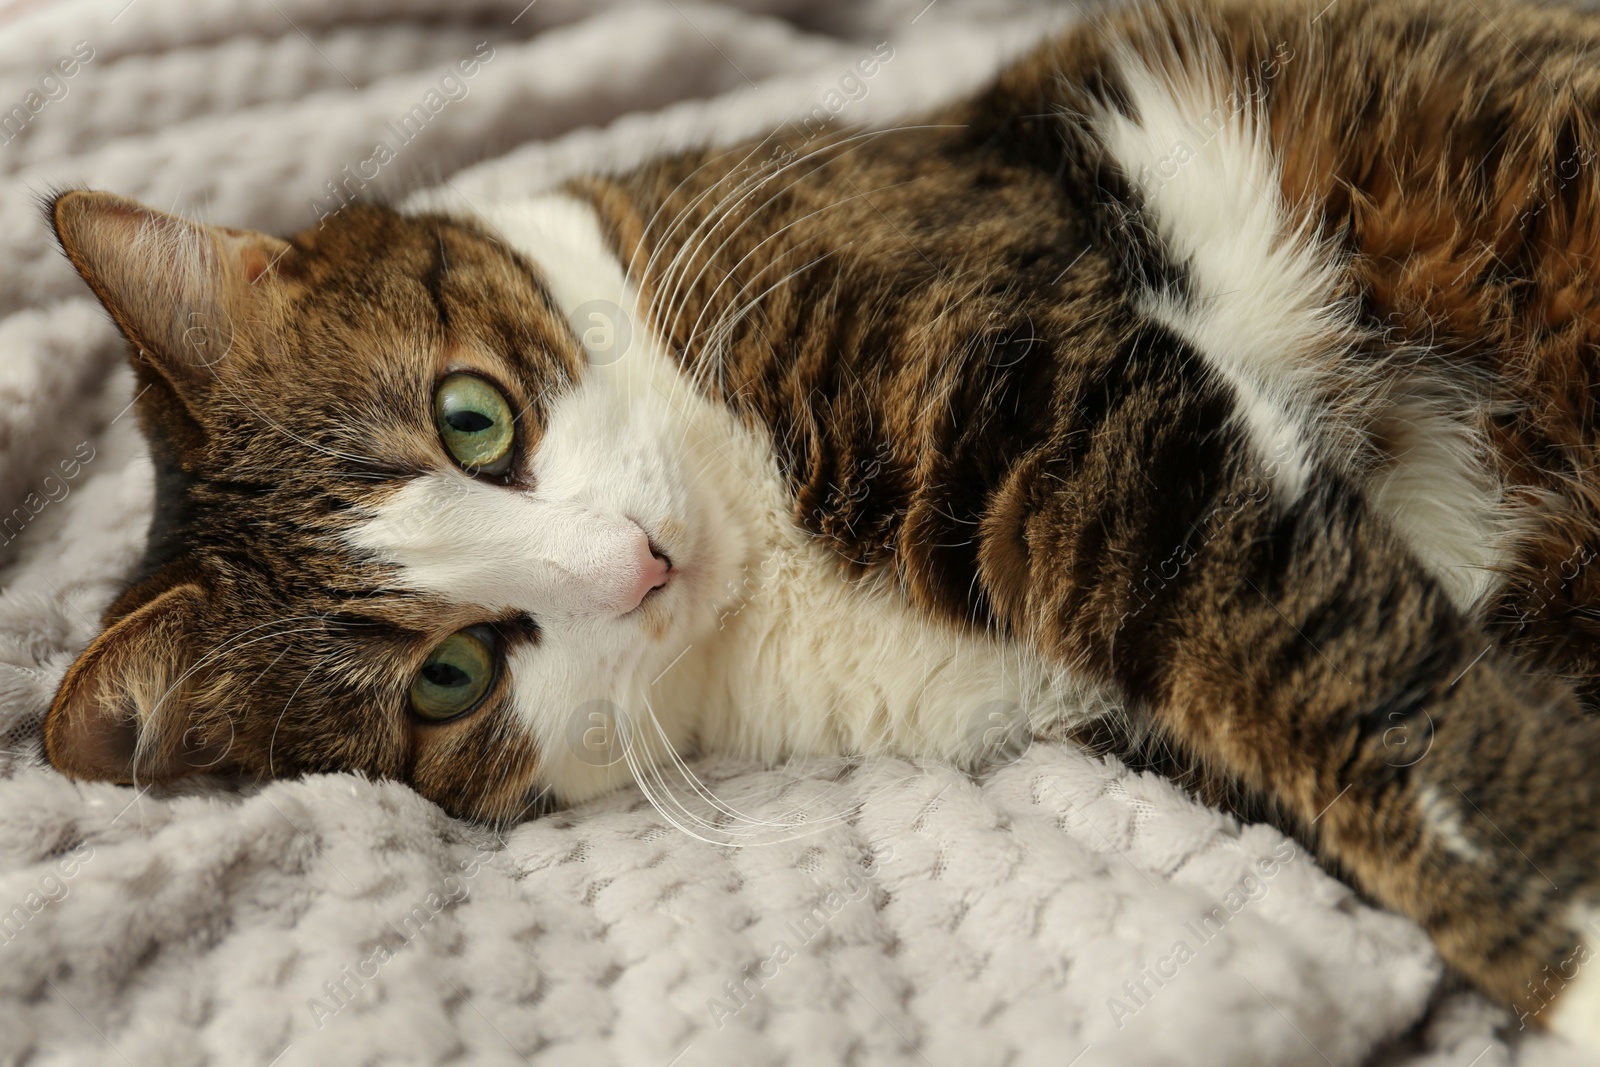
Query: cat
pixel 1223 375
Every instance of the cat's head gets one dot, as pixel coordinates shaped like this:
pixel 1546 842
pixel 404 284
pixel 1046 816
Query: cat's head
pixel 403 526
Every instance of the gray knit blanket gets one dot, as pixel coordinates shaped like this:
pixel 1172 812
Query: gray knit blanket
pixel 1063 910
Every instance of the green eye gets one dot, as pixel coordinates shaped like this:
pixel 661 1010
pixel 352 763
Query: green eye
pixel 455 675
pixel 474 423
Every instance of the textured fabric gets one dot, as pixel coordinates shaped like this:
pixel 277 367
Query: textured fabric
pixel 1060 911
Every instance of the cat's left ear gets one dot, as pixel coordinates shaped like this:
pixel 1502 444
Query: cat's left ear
pixel 179 290
pixel 125 709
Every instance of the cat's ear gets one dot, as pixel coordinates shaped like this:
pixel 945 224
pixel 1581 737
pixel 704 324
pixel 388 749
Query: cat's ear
pixel 122 713
pixel 179 290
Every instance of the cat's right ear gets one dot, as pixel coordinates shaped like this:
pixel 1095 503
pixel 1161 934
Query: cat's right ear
pixel 124 710
pixel 177 289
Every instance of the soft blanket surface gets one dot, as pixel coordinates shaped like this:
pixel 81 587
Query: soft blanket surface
pixel 1062 910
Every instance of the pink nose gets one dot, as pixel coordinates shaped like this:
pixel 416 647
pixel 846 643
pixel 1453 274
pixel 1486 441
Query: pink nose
pixel 654 571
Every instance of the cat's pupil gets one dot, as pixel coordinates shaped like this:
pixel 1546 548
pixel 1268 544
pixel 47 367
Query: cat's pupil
pixel 469 421
pixel 445 675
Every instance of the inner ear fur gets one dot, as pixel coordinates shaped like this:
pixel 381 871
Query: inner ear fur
pixel 125 712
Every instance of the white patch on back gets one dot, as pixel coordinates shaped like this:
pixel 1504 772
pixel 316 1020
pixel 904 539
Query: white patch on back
pixel 1262 308
pixel 759 646
pixel 1266 310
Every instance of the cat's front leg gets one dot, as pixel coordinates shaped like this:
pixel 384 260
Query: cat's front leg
pixel 1279 632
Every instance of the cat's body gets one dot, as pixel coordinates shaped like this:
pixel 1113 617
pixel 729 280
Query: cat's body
pixel 1233 367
